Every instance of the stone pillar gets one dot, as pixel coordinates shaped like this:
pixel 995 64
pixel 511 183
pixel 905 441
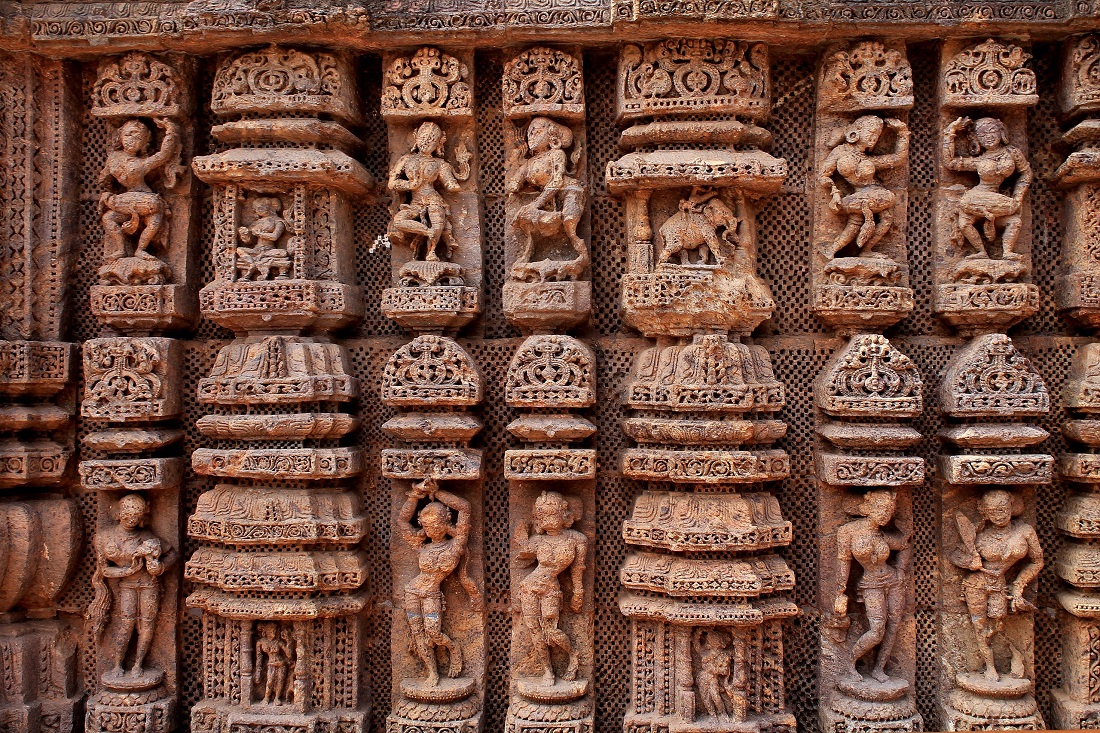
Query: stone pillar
pixel 859 269
pixel 868 641
pixel 438 637
pixel 282 583
pixel 861 282
pixel 40 524
pixel 1076 704
pixel 985 478
pixel 707 650
pixel 552 484
pixel 132 387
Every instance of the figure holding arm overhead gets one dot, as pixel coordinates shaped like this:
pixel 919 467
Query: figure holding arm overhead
pixel 994 161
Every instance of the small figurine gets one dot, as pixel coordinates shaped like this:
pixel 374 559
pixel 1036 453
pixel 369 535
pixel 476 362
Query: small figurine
pixel 694 229
pixel 881 586
pixel 554 548
pixel 137 210
pixel 273 657
pixel 424 220
pixel 267 229
pixel 137 559
pixel 995 161
pixel 852 160
pixel 722 674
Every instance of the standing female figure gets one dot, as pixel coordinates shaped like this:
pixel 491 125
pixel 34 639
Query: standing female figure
pixel 882 587
pixel 852 160
pixel 990 551
pixel 555 549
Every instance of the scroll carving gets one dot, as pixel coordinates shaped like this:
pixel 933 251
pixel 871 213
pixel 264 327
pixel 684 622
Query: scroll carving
pixel 282 590
pixel 691 283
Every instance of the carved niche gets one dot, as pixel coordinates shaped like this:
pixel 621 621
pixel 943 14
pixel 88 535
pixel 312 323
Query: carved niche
pixel 438 643
pixel 1079 179
pixel 868 667
pixel 861 279
pixel 692 187
pixel 1076 704
pixel 982 232
pixel 146 281
pixel 40 525
pixel 987 481
pixel 278 576
pixel 435 225
pixel 546 250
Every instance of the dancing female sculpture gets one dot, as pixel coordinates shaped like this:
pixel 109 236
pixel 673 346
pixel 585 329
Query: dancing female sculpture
pixel 989 552
pixel 424 220
pixel 882 586
pixel 441 548
pixel 994 161
pixel 137 559
pixel 557 207
pixel 137 210
pixel 852 160
pixel 554 548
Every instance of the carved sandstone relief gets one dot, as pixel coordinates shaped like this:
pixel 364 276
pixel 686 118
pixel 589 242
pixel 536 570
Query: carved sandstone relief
pixel 546 252
pixel 438 636
pixel 279 578
pixel 435 225
pixel 1076 703
pixel 438 647
pixel 706 652
pixel 861 279
pixel 982 233
pixel 988 474
pixel 146 279
pixel 868 667
pixel 1079 178
pixel 41 529
pixel 551 483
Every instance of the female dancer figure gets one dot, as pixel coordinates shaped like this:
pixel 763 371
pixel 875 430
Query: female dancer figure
pixel 852 160
pixel 990 551
pixel 441 548
pixel 995 161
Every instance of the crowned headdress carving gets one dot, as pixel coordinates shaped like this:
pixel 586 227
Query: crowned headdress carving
pixel 429 83
pixel 990 378
pixel 285 80
pixel 867 76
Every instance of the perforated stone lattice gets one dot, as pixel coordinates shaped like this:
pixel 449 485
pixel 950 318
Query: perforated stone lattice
pixel 799 347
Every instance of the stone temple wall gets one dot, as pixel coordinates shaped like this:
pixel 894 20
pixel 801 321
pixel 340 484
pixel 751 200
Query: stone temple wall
pixel 564 366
